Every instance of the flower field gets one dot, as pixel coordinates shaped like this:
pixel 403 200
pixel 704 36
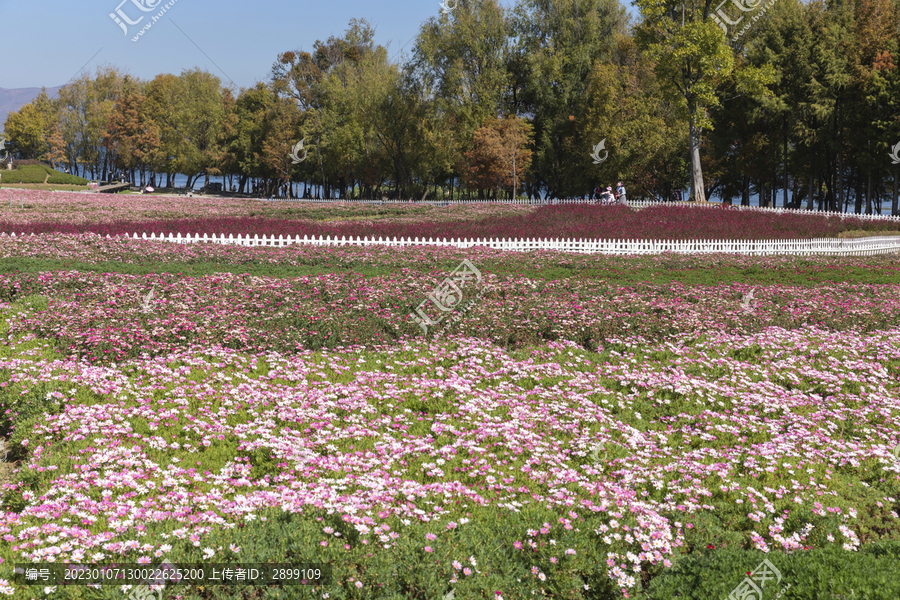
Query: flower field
pixel 595 427
pixel 22 207
pixel 130 215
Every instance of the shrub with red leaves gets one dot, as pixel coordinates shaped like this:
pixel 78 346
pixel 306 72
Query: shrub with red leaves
pixel 548 222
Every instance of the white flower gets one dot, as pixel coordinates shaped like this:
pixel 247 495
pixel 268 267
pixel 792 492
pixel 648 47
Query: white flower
pixel 208 553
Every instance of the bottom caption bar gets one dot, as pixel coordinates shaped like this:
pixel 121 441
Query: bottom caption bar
pixel 172 574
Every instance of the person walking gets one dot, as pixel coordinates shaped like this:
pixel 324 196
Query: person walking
pixel 620 193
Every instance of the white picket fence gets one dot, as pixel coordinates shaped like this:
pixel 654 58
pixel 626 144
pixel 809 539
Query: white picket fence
pixel 638 204
pixel 840 247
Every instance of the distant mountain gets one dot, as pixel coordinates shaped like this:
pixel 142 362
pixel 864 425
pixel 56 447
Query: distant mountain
pixel 12 100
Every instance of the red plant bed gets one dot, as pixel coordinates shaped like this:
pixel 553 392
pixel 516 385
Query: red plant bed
pixel 567 221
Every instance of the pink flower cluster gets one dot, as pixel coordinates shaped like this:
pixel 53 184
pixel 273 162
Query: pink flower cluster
pixel 146 453
pixel 102 316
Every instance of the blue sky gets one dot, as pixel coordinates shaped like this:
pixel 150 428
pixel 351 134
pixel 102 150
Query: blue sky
pixel 47 43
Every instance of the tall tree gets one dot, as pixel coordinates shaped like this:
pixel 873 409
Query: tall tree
pixel 557 45
pixel 26 131
pixel 196 119
pixel 132 136
pixel 500 153
pixel 692 59
pixel 643 130
pixel 85 105
pixel 459 64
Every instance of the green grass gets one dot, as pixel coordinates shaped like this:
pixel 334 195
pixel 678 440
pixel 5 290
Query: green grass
pixel 800 275
pixel 54 187
pixel 40 174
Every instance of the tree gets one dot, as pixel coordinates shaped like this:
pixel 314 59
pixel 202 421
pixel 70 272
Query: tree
pixel 886 95
pixel 282 121
pixel 193 121
pixel 557 45
pixel 57 146
pixel 500 153
pixel 692 58
pixel 132 136
pixel 459 66
pixel 644 131
pixel 311 80
pixel 26 130
pixel 84 108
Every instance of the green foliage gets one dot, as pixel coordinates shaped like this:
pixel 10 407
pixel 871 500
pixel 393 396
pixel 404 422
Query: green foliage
pixel 406 570
pixel 824 573
pixel 18 410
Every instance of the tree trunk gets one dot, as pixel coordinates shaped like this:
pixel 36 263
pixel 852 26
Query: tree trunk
pixel 515 188
pixel 785 199
pixel 774 189
pixel 697 189
pixel 839 181
pixel 894 203
pixel 745 193
pixel 812 190
pixel 321 167
pixel 869 195
pixel 763 197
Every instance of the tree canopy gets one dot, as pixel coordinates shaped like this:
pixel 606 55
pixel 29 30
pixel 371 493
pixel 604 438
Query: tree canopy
pixel 788 100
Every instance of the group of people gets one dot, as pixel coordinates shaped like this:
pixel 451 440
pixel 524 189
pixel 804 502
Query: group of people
pixel 608 197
